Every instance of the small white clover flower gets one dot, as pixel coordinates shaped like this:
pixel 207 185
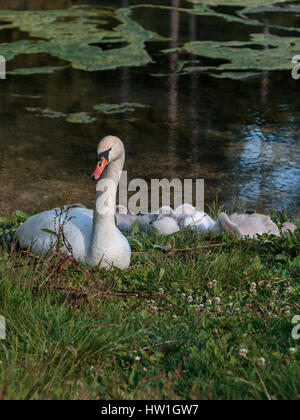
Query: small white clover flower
pixel 161 291
pixel 208 302
pixel 190 299
pixel 214 282
pixel 243 353
pixel 190 291
pixel 289 290
pixel 292 350
pixel 261 361
pixel 137 358
pixel 218 301
pixel 210 285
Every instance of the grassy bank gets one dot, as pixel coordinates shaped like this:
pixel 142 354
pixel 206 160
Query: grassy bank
pixel 189 320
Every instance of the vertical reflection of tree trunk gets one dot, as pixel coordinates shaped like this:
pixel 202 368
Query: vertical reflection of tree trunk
pixel 265 78
pixel 263 144
pixel 173 83
pixel 125 85
pixel 194 120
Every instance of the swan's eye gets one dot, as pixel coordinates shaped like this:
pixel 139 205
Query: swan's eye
pixel 104 155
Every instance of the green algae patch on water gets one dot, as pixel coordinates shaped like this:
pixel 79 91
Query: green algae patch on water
pixel 37 70
pixel 76 36
pixel 263 52
pixel 247 6
pixel 80 118
pixel 118 108
pixel 96 39
pixel 47 113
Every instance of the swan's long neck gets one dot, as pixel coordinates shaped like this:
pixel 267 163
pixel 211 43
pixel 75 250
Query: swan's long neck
pixel 104 213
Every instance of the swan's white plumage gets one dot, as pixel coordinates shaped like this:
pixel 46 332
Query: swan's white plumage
pixel 92 236
pixel 77 231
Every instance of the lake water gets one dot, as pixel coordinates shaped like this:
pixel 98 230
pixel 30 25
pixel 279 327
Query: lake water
pixel 242 137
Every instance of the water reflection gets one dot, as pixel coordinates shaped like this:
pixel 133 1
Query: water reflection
pixel 265 74
pixel 242 137
pixel 125 83
pixel 173 80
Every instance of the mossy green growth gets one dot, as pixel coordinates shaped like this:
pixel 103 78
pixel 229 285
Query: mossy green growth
pixel 36 70
pixel 262 52
pixel 80 118
pixel 103 39
pixel 246 6
pixel 76 35
pixel 118 108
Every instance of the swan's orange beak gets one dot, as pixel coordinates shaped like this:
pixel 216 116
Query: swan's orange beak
pixel 101 165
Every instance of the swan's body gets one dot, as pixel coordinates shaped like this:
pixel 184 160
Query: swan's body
pixel 249 225
pixel 92 236
pixel 198 221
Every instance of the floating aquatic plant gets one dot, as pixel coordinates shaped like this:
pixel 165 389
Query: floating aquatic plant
pixel 86 117
pixel 77 35
pixel 118 108
pixel 80 118
pixel 262 52
pixel 94 39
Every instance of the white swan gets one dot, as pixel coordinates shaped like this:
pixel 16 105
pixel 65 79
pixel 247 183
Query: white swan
pixel 92 236
pixel 249 225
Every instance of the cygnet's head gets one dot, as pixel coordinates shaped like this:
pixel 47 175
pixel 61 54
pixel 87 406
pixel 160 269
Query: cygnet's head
pixel 121 209
pixel 166 211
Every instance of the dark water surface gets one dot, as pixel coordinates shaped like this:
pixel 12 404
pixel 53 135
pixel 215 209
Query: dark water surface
pixel 242 137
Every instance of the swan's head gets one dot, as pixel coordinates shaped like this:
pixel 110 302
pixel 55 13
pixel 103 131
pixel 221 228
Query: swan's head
pixel 109 149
